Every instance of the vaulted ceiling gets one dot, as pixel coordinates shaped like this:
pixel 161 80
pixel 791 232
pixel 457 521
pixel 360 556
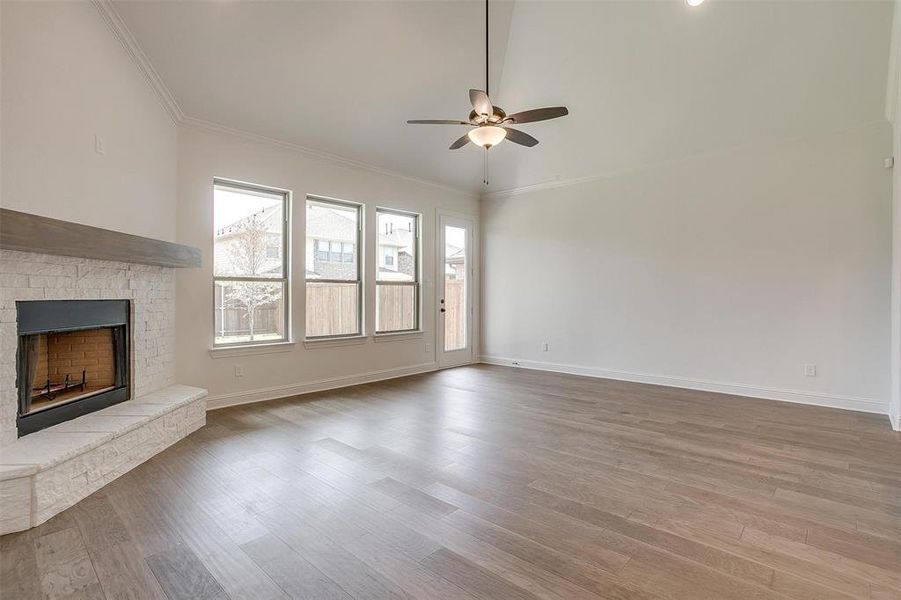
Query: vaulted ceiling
pixel 644 81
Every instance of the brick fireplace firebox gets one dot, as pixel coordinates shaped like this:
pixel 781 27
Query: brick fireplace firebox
pixel 73 358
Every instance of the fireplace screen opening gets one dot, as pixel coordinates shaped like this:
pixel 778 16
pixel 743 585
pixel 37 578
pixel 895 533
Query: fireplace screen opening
pixel 72 359
pixel 72 365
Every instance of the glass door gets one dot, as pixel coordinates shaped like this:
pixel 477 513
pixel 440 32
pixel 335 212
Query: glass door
pixel 454 291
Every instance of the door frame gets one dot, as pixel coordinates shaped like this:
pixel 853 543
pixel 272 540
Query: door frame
pixel 467 355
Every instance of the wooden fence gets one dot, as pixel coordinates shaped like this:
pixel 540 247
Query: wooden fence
pixel 332 310
pixel 233 321
pixel 395 308
pixel 455 317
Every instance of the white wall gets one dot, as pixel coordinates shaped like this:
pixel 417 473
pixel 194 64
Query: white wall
pixel 65 79
pixel 725 272
pixel 895 402
pixel 893 110
pixel 204 155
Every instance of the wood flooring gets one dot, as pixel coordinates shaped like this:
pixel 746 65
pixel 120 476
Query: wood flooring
pixel 491 482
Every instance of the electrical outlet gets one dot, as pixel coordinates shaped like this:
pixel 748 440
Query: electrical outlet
pixel 428 348
pixel 544 346
pixel 239 370
pixel 810 370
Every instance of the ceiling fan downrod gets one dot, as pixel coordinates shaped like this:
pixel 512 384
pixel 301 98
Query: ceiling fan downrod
pixel 489 124
pixel 487 92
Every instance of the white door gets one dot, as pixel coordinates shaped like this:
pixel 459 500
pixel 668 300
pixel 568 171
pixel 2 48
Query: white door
pixel 454 291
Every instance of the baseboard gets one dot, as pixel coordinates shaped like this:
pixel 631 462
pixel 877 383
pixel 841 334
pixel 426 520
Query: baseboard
pixel 799 397
pixel 283 391
pixel 895 418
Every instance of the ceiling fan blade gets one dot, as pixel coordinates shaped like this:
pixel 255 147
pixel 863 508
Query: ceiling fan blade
pixel 518 137
pixel 436 122
pixel 480 103
pixel 460 142
pixel 538 114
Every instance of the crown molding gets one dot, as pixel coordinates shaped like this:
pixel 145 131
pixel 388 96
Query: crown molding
pixel 212 127
pixel 545 185
pixel 112 19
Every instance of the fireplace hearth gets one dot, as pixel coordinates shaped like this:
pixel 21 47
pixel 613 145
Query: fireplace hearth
pixel 73 358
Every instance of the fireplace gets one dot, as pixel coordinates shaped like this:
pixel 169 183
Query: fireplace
pixel 73 359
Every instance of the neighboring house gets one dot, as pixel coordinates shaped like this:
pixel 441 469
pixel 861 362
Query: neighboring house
pixel 454 263
pixel 227 238
pixel 395 263
pixel 331 252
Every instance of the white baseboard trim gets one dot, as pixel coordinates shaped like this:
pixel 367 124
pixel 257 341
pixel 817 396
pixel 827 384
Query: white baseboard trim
pixel 283 391
pixel 799 397
pixel 896 421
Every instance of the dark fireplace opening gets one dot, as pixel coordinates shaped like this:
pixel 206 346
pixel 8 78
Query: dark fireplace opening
pixel 73 359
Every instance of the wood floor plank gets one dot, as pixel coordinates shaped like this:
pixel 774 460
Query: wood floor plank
pixel 237 574
pixel 119 565
pixel 491 482
pixel 353 575
pixel 19 574
pixel 535 529
pixel 524 574
pixel 183 576
pixel 414 497
pixel 297 577
pixel 865 548
pixel 64 567
pixel 471 577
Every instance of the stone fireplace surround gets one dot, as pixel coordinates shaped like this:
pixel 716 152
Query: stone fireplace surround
pixel 45 472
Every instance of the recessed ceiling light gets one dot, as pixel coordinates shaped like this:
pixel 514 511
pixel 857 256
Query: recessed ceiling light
pixel 694 2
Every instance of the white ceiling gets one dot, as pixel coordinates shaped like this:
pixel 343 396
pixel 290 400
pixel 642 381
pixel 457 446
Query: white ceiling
pixel 644 81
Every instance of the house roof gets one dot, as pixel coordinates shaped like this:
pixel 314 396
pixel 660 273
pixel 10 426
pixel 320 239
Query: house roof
pixel 269 218
pixel 400 238
pixel 331 224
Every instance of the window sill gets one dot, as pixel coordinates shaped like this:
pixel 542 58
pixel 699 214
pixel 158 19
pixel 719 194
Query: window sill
pixel 248 349
pixel 396 336
pixel 332 342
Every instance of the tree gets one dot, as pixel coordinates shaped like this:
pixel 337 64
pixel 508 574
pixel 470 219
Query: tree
pixel 247 254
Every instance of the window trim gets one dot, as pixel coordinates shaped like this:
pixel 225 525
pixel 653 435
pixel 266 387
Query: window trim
pixel 417 272
pixel 361 325
pixel 285 279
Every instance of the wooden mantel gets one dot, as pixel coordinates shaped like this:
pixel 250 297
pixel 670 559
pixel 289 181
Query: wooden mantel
pixel 33 233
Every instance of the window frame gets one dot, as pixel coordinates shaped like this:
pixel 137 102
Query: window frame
pixel 361 326
pixel 285 279
pixel 416 284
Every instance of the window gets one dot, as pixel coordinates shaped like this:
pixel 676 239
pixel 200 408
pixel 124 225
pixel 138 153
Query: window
pixel 397 283
pixel 335 255
pixel 321 250
pixel 333 273
pixel 250 277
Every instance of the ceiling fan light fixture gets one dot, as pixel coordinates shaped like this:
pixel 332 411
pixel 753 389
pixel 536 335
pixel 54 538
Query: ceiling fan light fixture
pixel 487 136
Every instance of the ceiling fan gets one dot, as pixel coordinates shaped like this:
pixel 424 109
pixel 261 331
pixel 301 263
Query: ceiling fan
pixel 489 124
